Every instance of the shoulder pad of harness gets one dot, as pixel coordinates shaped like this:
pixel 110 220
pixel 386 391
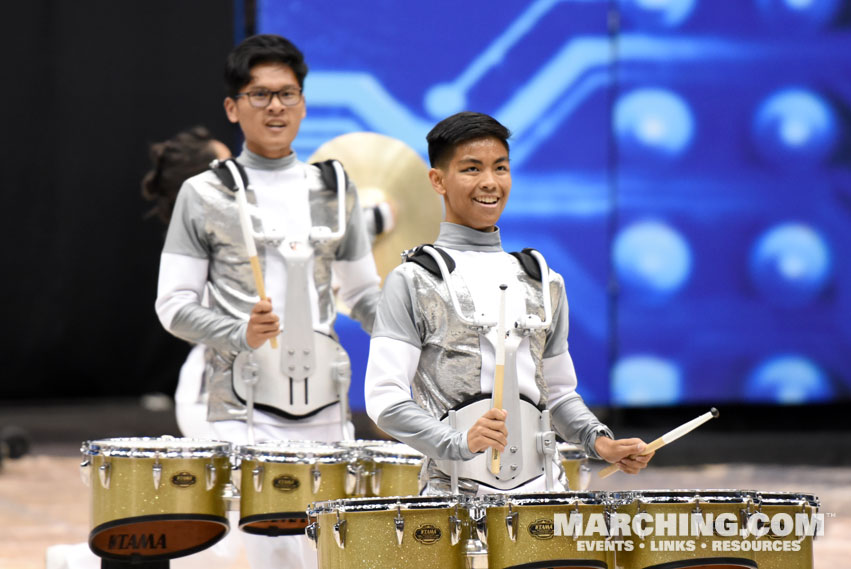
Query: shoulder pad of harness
pixel 427 262
pixel 328 174
pixel 528 262
pixel 222 172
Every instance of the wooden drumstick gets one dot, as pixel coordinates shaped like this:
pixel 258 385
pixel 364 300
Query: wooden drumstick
pixel 499 371
pixel 248 237
pixel 667 438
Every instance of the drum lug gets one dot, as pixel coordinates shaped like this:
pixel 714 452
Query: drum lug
pixel 257 476
pixel 157 471
pixel 399 522
pixel 340 532
pixel 511 524
pixel 104 474
pixel 312 532
pixel 86 472
pixel 315 478
pixel 375 481
pixel 351 479
pixel 211 476
pixel 480 521
pixel 454 528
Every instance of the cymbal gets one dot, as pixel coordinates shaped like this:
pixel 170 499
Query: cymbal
pixel 385 169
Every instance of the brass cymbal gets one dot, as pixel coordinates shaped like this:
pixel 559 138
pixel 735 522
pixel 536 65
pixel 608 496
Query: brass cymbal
pixel 385 169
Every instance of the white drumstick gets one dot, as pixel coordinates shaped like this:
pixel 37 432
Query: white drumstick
pixel 667 438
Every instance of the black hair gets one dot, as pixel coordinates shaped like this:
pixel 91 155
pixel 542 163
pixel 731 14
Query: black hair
pixel 186 154
pixel 460 128
pixel 263 48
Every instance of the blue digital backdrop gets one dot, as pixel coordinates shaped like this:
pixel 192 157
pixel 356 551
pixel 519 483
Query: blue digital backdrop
pixel 684 164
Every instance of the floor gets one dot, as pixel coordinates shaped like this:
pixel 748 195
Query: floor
pixel 43 502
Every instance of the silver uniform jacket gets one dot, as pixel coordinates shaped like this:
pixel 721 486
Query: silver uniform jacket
pixel 205 225
pixel 416 310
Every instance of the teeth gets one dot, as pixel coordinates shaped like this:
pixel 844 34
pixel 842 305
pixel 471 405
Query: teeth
pixel 487 200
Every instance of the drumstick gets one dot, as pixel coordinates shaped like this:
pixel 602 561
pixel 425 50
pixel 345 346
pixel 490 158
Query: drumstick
pixel 667 438
pixel 499 372
pixel 248 237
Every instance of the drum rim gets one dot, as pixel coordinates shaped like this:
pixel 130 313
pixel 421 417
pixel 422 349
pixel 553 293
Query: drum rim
pixel 143 448
pixel 392 503
pixel 298 452
pixel 588 498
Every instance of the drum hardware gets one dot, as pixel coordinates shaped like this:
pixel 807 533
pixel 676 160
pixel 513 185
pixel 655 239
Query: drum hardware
pixel 453 468
pixel 312 533
pixel 250 376
pixel 399 524
pixel 339 531
pixel 104 474
pixel 157 471
pixel 211 476
pixel 478 515
pixel 511 523
pixel 475 554
pixel 546 440
pixel 315 478
pixel 257 477
pixel 454 527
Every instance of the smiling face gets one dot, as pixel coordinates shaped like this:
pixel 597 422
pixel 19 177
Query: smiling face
pixel 475 183
pixel 268 132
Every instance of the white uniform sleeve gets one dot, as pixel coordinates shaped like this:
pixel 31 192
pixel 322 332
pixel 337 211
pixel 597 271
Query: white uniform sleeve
pixel 389 371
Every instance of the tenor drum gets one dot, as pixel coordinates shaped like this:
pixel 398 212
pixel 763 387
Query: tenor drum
pixel 574 460
pixel 372 533
pixel 533 530
pixel 279 480
pixel 686 529
pixel 155 498
pixel 786 527
pixel 394 470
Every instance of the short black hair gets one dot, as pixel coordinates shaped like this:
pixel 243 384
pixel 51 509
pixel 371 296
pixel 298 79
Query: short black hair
pixel 262 48
pixel 460 128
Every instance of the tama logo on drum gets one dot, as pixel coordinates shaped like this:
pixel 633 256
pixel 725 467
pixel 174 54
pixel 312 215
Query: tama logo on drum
pixel 427 534
pixel 286 483
pixel 183 479
pixel 119 541
pixel 542 529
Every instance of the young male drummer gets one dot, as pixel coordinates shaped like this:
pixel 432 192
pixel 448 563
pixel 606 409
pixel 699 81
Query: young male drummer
pixel 431 353
pixel 206 247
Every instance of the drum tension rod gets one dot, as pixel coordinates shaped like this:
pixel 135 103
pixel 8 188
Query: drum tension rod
pixel 340 532
pixel 157 471
pixel 400 524
pixel 511 523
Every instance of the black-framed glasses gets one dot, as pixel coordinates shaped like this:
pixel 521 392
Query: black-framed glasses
pixel 262 98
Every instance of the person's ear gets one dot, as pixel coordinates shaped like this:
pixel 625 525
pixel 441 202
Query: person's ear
pixel 231 110
pixel 436 177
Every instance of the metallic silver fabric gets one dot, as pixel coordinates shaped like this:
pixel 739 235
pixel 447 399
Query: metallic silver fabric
pixel 211 210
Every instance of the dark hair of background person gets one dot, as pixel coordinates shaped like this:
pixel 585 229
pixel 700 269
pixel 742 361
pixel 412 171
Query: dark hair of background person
pixel 175 160
pixel 459 128
pixel 263 48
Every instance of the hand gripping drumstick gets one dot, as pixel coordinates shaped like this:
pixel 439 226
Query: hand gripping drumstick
pixel 499 372
pixel 668 437
pixel 248 237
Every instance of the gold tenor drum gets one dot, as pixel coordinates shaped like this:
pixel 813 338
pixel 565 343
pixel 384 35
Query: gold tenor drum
pixel 574 460
pixel 531 531
pixel 279 480
pixel 395 470
pixel 686 529
pixel 786 526
pixel 373 533
pixel 155 498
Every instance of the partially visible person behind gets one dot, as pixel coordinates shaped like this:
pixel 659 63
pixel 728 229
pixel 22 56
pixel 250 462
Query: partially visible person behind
pixel 173 161
pixel 187 153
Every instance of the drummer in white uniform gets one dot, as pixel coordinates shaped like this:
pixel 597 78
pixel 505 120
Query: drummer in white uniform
pixel 438 339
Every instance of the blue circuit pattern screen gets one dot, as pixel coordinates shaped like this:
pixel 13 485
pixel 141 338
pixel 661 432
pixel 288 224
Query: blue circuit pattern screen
pixel 684 164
